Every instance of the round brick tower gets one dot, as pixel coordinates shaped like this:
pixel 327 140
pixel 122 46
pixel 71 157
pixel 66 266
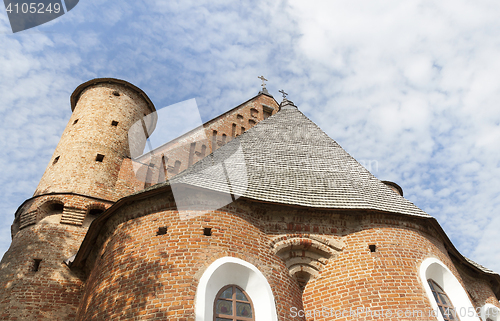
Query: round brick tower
pixel 90 169
pixel 95 143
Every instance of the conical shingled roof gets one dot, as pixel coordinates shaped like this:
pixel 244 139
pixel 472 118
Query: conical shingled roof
pixel 288 159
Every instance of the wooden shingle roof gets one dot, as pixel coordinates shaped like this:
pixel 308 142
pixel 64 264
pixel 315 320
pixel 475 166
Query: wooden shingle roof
pixel 288 159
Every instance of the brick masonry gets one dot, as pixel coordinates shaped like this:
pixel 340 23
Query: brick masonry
pixel 168 267
pixel 313 259
pixel 184 151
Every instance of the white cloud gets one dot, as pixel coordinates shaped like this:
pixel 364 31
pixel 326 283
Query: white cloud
pixel 414 86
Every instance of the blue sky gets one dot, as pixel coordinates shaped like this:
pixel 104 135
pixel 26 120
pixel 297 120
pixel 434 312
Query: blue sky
pixel 411 88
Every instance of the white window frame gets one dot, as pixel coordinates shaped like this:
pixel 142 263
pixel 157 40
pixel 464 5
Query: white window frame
pixel 230 270
pixel 490 311
pixel 432 268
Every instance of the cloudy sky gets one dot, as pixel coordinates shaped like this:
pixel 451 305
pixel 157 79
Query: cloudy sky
pixel 410 88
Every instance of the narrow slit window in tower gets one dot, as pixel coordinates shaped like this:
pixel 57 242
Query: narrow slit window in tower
pixel 207 231
pixel 164 161
pixel 214 140
pixel 233 133
pixel 76 121
pixel 99 158
pixel 224 137
pixel 372 247
pixel 242 129
pixel 149 176
pixel 36 264
pixel 55 160
pixel 114 123
pixel 191 154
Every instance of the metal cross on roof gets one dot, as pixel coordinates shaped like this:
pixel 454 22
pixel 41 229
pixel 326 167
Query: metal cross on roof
pixel 263 81
pixel 283 93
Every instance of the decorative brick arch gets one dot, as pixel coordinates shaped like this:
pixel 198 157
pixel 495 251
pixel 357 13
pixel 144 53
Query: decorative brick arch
pixel 305 255
pixel 47 208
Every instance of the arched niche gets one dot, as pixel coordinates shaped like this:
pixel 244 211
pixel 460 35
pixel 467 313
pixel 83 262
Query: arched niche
pixel 230 270
pixel 434 269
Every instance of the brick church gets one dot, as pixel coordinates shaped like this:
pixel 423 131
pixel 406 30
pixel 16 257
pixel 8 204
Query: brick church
pixel 257 215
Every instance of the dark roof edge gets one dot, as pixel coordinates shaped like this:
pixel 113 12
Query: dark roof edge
pixel 75 96
pixel 454 253
pixel 97 225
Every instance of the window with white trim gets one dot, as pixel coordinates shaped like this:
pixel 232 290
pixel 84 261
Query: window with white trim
pixel 231 271
pixel 435 270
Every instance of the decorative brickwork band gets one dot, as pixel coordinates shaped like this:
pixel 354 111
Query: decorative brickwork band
pixel 28 218
pixel 73 216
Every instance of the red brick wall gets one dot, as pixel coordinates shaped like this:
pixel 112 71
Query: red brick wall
pixel 386 279
pixel 137 274
pixel 479 289
pixel 194 146
pixel 77 182
pixel 54 291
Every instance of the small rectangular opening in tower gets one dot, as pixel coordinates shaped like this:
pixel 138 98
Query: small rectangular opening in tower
pixel 372 248
pixel 76 121
pixel 36 264
pixel 114 123
pixel 99 158
pixel 207 231
pixel 55 160
pixel 162 230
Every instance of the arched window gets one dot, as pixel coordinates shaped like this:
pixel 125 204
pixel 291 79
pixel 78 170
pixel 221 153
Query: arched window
pixel 445 306
pixel 249 280
pixel 233 304
pixel 445 290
